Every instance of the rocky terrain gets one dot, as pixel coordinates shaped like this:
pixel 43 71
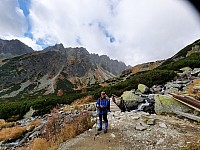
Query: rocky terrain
pixel 132 131
pixel 141 127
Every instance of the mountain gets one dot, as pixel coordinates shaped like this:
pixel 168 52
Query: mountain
pixel 13 48
pixel 53 69
pixel 106 63
pixel 186 51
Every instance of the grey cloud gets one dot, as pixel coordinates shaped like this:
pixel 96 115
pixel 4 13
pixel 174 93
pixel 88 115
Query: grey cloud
pixel 12 21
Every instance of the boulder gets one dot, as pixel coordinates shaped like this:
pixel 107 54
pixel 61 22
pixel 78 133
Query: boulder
pixel 171 90
pixel 143 88
pixel 29 113
pixel 186 69
pixel 166 104
pixel 195 71
pixel 131 100
pixel 173 85
pixel 156 89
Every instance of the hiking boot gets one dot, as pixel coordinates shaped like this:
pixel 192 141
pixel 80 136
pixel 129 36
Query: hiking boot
pixel 99 129
pixel 105 131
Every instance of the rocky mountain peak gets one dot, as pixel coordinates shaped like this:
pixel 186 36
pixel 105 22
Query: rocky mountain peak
pixel 11 48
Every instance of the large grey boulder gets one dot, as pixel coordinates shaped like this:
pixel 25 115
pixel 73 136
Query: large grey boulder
pixel 195 71
pixel 186 69
pixel 131 100
pixel 166 104
pixel 143 88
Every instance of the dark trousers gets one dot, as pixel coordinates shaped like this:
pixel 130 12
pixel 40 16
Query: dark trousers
pixel 105 120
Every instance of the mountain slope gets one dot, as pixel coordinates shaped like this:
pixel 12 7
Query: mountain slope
pixel 53 69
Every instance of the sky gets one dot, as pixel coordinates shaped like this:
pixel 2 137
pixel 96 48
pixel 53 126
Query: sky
pixel 132 31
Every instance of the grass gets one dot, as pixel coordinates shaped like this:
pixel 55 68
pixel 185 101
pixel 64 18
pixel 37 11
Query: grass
pixel 55 134
pixel 35 122
pixel 191 143
pixel 190 90
pixel 84 100
pixel 11 133
pixel 4 124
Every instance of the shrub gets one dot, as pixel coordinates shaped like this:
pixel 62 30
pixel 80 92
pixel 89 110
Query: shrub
pixel 11 133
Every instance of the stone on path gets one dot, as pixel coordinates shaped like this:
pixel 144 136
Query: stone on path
pixel 162 125
pixel 140 127
pixel 151 122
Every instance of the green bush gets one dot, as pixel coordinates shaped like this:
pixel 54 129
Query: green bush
pixel 190 61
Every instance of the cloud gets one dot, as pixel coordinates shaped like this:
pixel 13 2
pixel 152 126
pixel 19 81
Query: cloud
pixel 12 20
pixel 128 30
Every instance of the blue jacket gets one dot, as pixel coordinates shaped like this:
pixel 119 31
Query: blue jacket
pixel 104 103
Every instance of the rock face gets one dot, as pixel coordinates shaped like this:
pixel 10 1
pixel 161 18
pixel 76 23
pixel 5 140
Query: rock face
pixel 55 68
pixel 114 66
pixel 13 48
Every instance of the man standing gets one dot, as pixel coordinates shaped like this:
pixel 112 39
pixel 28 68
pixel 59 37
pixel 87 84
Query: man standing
pixel 102 105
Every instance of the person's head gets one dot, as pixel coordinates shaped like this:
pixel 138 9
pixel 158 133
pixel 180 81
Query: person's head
pixel 103 94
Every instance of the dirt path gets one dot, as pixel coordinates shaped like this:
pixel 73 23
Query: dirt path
pixel 130 131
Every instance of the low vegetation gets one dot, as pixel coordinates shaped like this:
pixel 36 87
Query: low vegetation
pixel 55 134
pixel 191 61
pixel 11 133
pixel 4 124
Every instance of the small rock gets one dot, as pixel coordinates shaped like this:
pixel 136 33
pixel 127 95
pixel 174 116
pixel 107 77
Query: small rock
pixel 160 141
pixel 162 125
pixel 151 122
pixel 112 135
pixel 144 124
pixel 140 128
pixel 135 117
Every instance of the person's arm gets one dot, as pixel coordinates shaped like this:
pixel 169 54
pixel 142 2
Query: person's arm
pixel 98 103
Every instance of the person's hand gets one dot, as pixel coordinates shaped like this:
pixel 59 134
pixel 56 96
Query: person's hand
pixel 101 106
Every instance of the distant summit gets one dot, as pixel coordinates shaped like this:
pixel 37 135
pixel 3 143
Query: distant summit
pixel 11 48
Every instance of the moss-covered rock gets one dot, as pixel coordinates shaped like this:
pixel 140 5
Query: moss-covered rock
pixel 186 69
pixel 131 100
pixel 166 104
pixel 143 88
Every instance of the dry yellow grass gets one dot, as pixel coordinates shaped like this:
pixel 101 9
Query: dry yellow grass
pixel 35 123
pixel 4 124
pixel 84 100
pixel 190 90
pixel 10 133
pixel 70 130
